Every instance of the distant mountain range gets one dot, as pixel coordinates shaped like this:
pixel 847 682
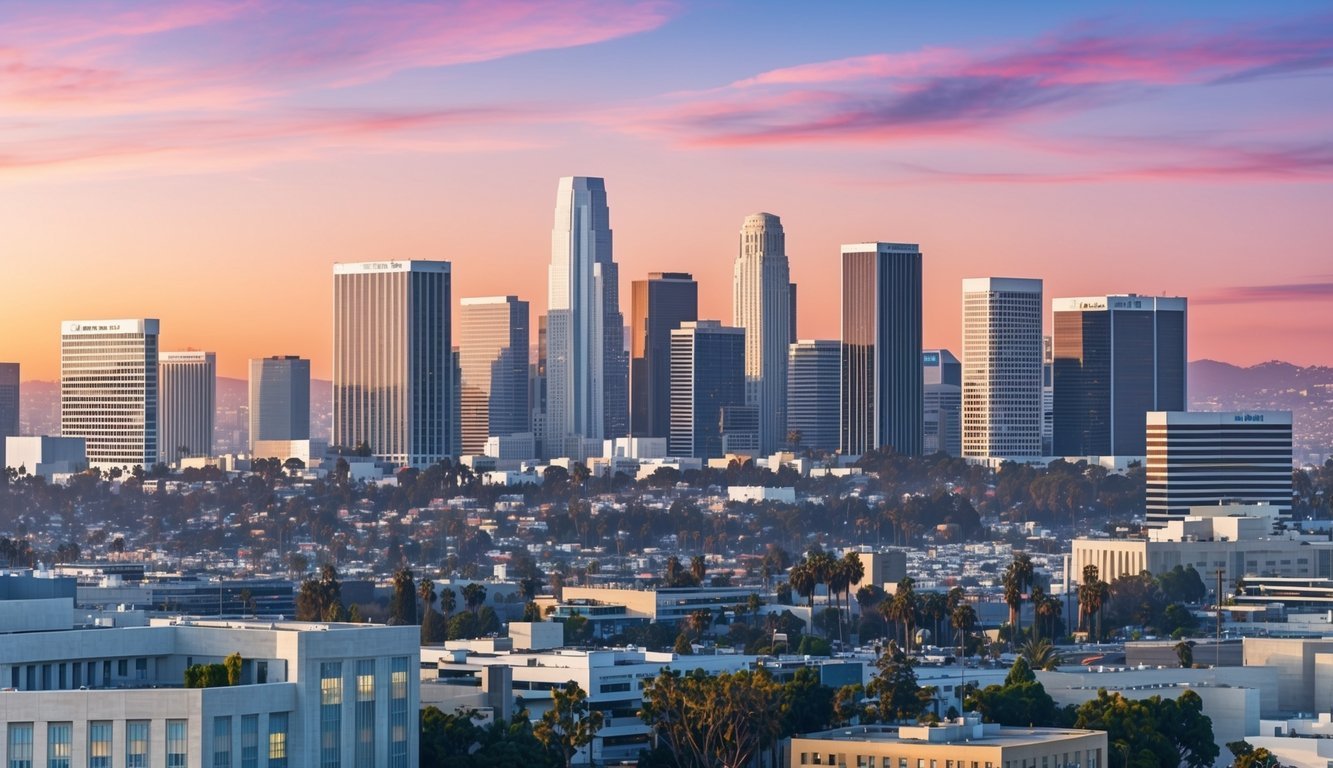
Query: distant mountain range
pixel 1213 386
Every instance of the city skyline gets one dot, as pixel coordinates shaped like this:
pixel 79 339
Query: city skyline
pixel 1101 149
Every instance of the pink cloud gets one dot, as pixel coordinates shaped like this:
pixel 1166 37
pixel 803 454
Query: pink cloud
pixel 981 96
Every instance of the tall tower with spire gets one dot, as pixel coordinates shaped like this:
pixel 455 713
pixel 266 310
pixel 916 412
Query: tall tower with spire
pixel 761 304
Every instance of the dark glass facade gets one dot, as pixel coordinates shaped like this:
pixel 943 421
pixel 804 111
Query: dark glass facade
pixel 707 377
pixel 881 403
pixel 1115 359
pixel 659 305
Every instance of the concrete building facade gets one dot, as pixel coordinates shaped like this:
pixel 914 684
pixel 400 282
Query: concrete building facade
pixel 493 363
pixel 279 389
pixel 813 384
pixel 187 383
pixel 762 304
pixel 942 402
pixel 966 741
pixel 1002 359
pixel 658 306
pixel 109 390
pixel 393 377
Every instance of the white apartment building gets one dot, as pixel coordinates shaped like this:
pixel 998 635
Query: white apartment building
pixel 108 390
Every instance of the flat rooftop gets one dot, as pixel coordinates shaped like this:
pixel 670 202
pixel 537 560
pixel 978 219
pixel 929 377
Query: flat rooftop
pixel 1005 737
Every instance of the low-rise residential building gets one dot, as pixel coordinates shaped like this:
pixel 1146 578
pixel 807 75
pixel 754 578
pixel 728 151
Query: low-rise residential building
pixel 955 744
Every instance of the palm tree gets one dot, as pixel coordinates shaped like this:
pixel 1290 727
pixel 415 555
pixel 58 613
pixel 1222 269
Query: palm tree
pixel 837 584
pixel 1092 596
pixel 1040 654
pixel 1017 578
pixel 952 599
pixel 802 580
pixel 902 609
pixel 853 571
pixel 698 568
pixel 963 619
pixel 934 609
pixel 1048 610
pixel 426 591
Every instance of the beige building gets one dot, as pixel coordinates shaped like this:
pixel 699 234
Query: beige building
pixel 1304 670
pixel 1236 538
pixel 963 743
pixel 884 568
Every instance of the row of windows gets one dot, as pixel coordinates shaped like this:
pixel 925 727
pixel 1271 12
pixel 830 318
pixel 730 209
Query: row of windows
pixel 60 744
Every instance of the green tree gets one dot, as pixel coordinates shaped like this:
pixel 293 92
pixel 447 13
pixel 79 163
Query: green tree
pixel 1152 731
pixel 1249 757
pixel 569 725
pixel 900 696
pixel 1020 702
pixel 1040 654
pixel 233 664
pixel 1017 579
pixel 807 704
pixel 403 604
pixel 706 720
pixel 1185 652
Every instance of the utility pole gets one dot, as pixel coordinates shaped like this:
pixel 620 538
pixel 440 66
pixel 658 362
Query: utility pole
pixel 1217 606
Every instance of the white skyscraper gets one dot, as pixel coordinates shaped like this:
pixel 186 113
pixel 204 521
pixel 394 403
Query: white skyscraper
pixel 108 390
pixel 1002 360
pixel 587 370
pixel 762 305
pixel 393 379
pixel 188 385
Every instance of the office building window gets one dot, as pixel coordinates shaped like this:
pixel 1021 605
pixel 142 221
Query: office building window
pixel 222 742
pixel 398 711
pixel 59 744
pixel 99 744
pixel 330 714
pixel 136 744
pixel 20 745
pixel 177 743
pixel 250 741
pixel 277 741
pixel 365 712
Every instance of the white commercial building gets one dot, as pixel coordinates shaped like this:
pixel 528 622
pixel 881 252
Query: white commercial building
pixel 187 382
pixel 1217 458
pixel 1238 539
pixel 393 367
pixel 309 695
pixel 46 456
pixel 613 680
pixel 1002 360
pixel 108 390
pixel 762 305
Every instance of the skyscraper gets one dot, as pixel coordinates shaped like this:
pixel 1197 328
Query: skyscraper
pixel 1115 359
pixel 279 399
pixel 658 306
pixel 587 370
pixel 187 382
pixel 1001 367
pixel 707 378
pixel 813 377
pixel 1197 459
pixel 881 403
pixel 392 372
pixel 943 401
pixel 493 362
pixel 1047 396
pixel 762 305
pixel 9 405
pixel 108 390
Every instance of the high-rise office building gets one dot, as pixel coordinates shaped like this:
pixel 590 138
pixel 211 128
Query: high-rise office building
pixel 279 399
pixel 187 386
pixel 1001 367
pixel 392 366
pixel 943 402
pixel 707 377
pixel 1047 396
pixel 587 370
pixel 537 390
pixel 881 403
pixel 762 305
pixel 493 362
pixel 108 390
pixel 1197 459
pixel 658 306
pixel 1115 358
pixel 791 324
pixel 813 377
pixel 9 405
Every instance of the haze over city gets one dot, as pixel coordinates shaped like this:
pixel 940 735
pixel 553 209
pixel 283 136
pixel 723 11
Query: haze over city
pixel 207 163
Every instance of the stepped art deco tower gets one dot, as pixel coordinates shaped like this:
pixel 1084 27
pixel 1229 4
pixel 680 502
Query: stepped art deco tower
pixel 761 304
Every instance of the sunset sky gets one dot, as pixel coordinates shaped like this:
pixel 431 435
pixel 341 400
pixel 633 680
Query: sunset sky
pixel 207 162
